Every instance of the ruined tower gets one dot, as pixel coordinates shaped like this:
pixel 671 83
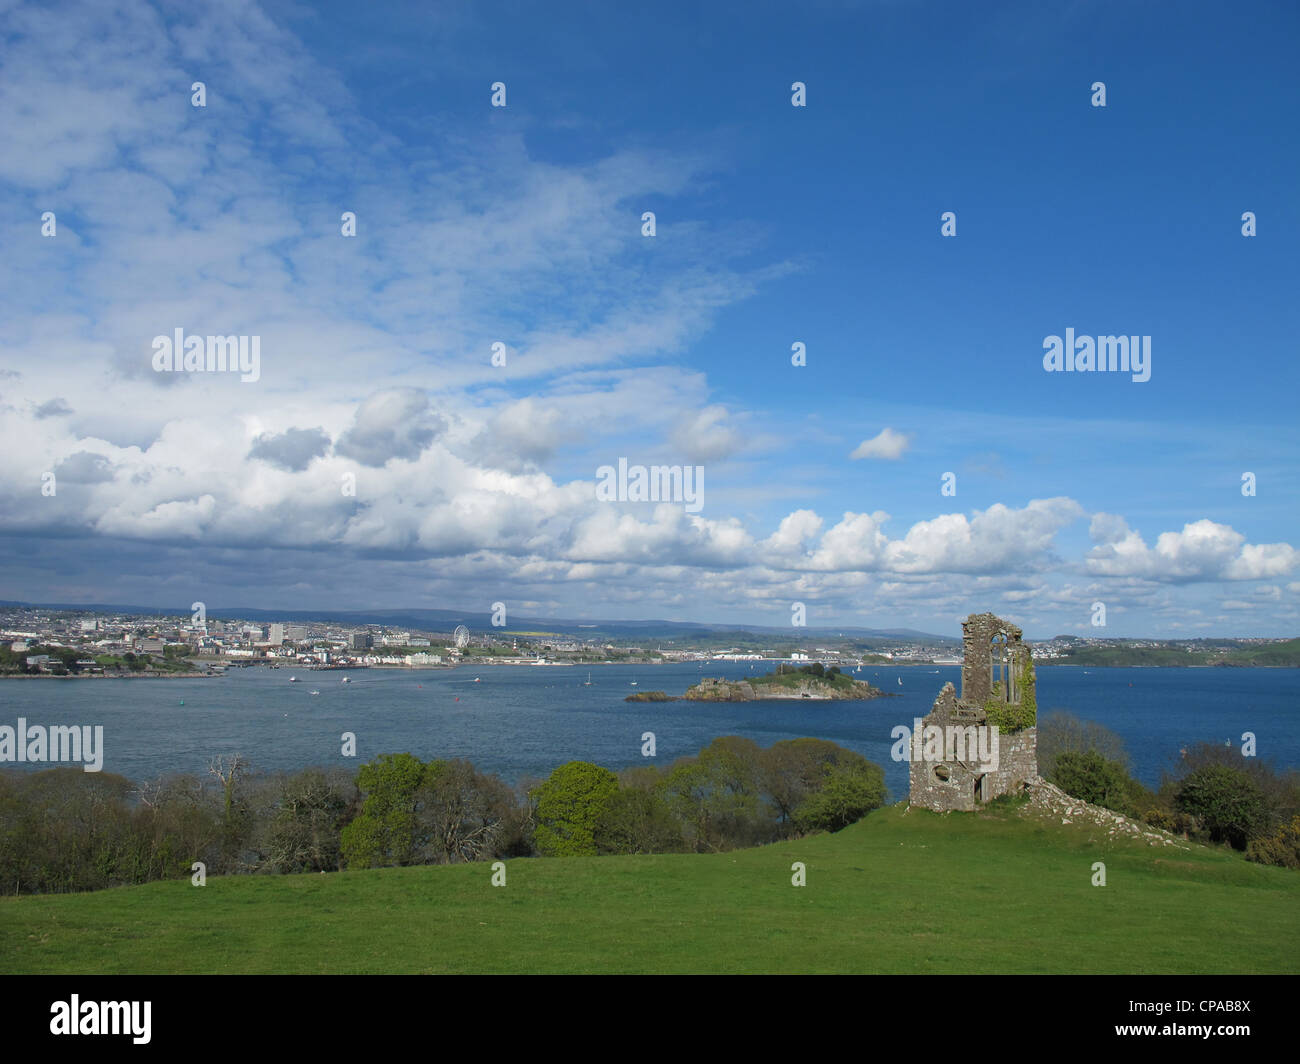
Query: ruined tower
pixel 950 767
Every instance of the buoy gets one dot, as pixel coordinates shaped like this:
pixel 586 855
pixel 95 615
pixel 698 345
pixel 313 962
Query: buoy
pixel 182 701
pixel 458 698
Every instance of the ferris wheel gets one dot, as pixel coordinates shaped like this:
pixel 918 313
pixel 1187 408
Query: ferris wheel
pixel 461 636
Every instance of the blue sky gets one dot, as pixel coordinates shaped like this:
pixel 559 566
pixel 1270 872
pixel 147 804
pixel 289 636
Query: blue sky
pixel 775 224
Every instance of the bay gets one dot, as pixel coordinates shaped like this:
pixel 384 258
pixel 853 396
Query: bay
pixel 523 721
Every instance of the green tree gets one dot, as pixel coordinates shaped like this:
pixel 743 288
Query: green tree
pixel 637 821
pixel 1227 802
pixel 1093 778
pixel 1061 732
pixel 569 804
pixel 718 796
pixel 387 831
pixel 847 794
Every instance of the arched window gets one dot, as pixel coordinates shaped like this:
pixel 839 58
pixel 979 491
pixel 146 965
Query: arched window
pixel 998 662
pixel 1001 672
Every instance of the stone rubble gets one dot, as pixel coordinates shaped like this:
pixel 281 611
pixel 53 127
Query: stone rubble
pixel 1048 800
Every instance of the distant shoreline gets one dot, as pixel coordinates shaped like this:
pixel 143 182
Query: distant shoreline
pixel 111 676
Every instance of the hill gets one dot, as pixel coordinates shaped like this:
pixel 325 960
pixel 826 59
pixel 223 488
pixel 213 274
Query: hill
pixel 1004 890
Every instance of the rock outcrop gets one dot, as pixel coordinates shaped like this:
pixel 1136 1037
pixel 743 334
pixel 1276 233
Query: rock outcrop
pixel 810 688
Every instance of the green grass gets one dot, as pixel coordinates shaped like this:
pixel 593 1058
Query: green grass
pixel 897 892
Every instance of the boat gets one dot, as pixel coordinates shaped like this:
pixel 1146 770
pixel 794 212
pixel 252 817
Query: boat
pixel 315 692
pixel 587 682
pixel 900 681
pixel 477 680
pixel 633 684
pixel 293 679
pixel 346 679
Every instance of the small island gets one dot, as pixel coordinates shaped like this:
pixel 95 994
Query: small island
pixel 813 682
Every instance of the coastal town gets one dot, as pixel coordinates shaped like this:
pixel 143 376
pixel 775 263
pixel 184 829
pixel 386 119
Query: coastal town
pixel 47 641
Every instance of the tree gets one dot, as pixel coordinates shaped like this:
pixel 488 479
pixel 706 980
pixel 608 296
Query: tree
pixel 1227 802
pixel 569 804
pixel 387 831
pixel 637 821
pixel 304 834
pixel 793 769
pixel 1061 732
pixel 718 797
pixel 1093 778
pixel 469 814
pixel 847 794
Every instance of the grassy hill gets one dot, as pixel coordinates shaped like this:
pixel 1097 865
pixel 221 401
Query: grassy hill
pixel 897 892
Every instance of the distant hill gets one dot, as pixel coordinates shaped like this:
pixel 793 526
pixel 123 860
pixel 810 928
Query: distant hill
pixel 1273 655
pixel 445 620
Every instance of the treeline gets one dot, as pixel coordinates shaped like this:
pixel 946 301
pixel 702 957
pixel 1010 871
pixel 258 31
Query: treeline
pixel 67 830
pixel 1211 793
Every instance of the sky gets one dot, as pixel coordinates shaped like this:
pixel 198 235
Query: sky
pixel 921 463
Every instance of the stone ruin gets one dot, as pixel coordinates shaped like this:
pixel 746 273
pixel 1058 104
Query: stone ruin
pixel 997 687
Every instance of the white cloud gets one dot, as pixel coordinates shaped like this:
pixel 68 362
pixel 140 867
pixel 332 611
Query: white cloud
pixel 705 436
pixel 1203 550
pixel 886 444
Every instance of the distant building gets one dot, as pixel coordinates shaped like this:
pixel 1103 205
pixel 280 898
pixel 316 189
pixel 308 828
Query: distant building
pixel 362 640
pixel 275 634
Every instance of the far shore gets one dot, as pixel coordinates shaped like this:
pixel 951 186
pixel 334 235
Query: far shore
pixel 109 676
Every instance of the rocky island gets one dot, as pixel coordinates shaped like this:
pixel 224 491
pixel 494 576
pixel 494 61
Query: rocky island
pixel 812 682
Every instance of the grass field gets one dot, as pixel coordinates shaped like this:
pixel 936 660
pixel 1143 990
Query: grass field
pixel 897 892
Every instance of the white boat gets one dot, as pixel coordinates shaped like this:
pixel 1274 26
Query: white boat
pixel 477 680
pixel 900 681
pixel 315 692
pixel 293 679
pixel 587 682
pixel 347 679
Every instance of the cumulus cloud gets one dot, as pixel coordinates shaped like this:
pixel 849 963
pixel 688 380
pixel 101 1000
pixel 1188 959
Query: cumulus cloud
pixel 521 435
pixel 886 444
pixel 397 423
pixel 84 467
pixel 1203 550
pixel 291 450
pixel 705 436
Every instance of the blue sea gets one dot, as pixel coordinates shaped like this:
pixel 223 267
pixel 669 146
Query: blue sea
pixel 523 721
